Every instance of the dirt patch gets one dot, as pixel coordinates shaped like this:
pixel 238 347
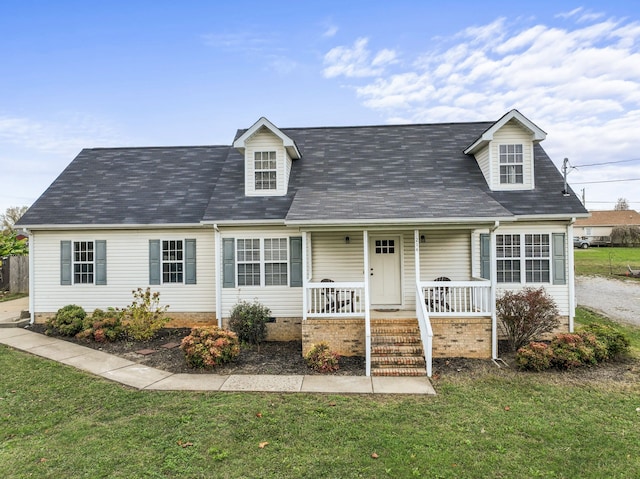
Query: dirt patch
pixel 163 352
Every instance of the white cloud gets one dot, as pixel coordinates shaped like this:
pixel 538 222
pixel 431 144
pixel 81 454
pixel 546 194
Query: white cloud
pixel 357 61
pixel 330 31
pixel 579 79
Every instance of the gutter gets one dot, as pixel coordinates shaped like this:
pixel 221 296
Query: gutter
pixel 572 275
pixel 218 274
pixel 494 283
pixel 32 280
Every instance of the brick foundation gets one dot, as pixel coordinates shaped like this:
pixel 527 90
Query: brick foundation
pixel 461 337
pixel 563 328
pixel 283 329
pixel 344 336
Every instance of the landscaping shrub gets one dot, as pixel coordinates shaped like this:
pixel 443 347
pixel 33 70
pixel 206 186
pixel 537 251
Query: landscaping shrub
pixel 615 342
pixel 67 321
pixel 144 317
pixel 534 357
pixel 320 358
pixel 102 326
pixel 248 320
pixel 210 346
pixel 570 351
pixel 526 315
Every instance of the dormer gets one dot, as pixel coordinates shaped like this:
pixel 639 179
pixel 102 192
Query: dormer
pixel 268 155
pixel 504 152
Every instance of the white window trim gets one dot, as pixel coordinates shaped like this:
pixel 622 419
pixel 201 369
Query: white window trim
pixel 262 262
pixel 74 262
pixel 163 262
pixel 523 259
pixel 520 163
pixel 256 170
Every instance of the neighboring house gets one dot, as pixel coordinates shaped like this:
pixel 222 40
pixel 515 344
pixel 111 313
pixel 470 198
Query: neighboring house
pixel 384 212
pixel 597 228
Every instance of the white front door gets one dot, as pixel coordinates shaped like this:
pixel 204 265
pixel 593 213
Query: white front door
pixel 385 272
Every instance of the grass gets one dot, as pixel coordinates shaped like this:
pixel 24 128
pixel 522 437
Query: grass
pixel 56 421
pixel 585 317
pixel 5 296
pixel 606 261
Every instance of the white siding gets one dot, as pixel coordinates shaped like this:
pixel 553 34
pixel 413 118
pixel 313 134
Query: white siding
pixel 264 140
pixel 512 133
pixel 127 269
pixel 334 259
pixel 484 162
pixel 283 301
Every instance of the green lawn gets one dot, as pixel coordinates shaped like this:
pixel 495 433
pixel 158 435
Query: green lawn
pixel 5 296
pixel 606 261
pixel 57 422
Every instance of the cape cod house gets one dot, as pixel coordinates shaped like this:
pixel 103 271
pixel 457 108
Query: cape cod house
pixel 390 242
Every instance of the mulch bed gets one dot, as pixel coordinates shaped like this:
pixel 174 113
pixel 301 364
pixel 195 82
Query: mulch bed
pixel 163 352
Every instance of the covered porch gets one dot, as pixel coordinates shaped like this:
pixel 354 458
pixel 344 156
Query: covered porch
pixel 357 283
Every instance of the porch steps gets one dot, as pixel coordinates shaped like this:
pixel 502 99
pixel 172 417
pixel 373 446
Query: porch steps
pixel 396 348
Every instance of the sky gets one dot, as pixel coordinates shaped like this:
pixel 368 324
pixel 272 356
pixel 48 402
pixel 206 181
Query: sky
pixel 79 74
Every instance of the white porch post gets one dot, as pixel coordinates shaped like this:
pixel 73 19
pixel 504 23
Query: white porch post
pixel 304 276
pixel 494 282
pixel 367 313
pixel 416 247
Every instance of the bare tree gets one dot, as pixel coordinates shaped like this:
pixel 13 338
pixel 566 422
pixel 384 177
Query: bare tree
pixel 622 204
pixel 11 216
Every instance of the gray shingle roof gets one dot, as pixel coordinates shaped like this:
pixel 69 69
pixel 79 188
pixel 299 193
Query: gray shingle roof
pixel 345 173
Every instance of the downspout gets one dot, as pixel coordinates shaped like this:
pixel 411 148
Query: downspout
pixel 572 276
pixel 219 259
pixel 494 282
pixel 32 280
pixel 367 311
pixel 304 276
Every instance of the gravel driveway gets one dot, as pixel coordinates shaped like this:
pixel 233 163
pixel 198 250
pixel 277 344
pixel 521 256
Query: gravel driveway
pixel 617 299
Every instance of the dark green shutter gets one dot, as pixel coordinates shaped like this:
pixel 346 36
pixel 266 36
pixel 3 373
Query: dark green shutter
pixel 101 262
pixel 228 263
pixel 295 246
pixel 154 261
pixel 190 256
pixel 559 259
pixel 485 256
pixel 65 263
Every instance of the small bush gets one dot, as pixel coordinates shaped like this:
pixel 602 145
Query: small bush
pixel 249 321
pixel 570 351
pixel 102 326
pixel 320 358
pixel 68 321
pixel 144 317
pixel 615 342
pixel 207 347
pixel 534 357
pixel 526 315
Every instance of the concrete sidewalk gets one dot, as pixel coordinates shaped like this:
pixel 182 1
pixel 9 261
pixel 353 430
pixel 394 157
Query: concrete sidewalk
pixel 11 311
pixel 139 376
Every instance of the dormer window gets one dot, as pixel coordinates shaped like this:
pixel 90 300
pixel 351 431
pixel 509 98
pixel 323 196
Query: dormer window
pixel 511 164
pixel 266 168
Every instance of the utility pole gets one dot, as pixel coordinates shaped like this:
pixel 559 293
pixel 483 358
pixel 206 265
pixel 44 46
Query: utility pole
pixel 584 197
pixel 565 168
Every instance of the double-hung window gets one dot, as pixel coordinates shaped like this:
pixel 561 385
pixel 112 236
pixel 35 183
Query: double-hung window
pixel 172 261
pixel 262 262
pixel 83 262
pixel 265 170
pixel 530 253
pixel 511 164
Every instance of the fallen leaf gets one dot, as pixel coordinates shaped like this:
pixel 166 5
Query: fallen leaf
pixel 258 414
pixel 332 404
pixel 262 445
pixel 507 408
pixel 184 444
pixel 482 431
pixel 43 459
pixel 375 456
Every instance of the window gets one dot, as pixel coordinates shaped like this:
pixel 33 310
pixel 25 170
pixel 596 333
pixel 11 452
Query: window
pixel 83 262
pixel 534 258
pixel 172 261
pixel 508 255
pixel 511 164
pixel 262 262
pixel 265 170
pixel 536 251
pixel 275 262
pixel 385 247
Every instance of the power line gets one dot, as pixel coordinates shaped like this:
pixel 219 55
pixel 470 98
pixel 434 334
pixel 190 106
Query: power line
pixel 602 181
pixel 605 163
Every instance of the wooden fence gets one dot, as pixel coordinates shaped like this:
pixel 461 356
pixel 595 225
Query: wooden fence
pixel 14 275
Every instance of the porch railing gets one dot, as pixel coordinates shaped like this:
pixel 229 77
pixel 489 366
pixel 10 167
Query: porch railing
pixel 335 300
pixel 426 333
pixel 457 298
